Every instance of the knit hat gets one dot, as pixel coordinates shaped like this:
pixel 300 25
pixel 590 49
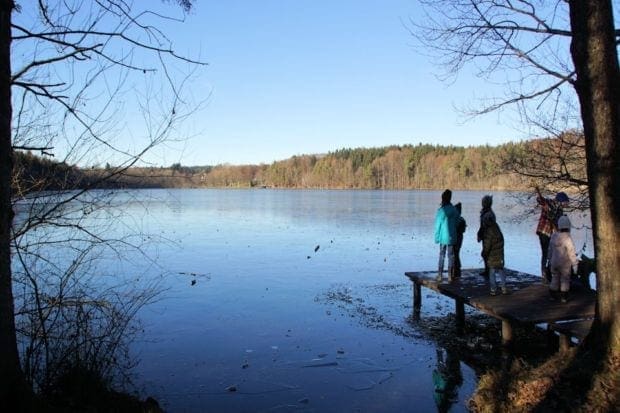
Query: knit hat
pixel 561 197
pixel 563 222
pixel 487 201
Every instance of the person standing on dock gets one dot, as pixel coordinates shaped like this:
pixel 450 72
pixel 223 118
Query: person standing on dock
pixel 562 259
pixel 461 225
pixel 445 233
pixel 551 211
pixel 493 252
pixel 487 202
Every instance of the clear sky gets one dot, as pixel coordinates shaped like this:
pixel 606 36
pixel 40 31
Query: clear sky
pixel 291 77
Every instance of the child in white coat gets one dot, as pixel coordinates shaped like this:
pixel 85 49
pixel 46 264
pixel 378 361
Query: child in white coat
pixel 562 258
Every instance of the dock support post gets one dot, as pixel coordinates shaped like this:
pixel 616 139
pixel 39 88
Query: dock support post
pixel 417 296
pixel 564 342
pixel 506 333
pixel 460 315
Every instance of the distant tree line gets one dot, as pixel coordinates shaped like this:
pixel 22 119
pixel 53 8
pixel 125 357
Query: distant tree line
pixel 393 167
pixel 32 173
pixel 422 166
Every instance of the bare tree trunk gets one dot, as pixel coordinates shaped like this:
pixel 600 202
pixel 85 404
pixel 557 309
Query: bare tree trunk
pixel 12 383
pixel 593 50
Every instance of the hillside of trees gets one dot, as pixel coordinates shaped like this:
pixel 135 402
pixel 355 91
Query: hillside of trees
pixel 421 166
pixel 394 167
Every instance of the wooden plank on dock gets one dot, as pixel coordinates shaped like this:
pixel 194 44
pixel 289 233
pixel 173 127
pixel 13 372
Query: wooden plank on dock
pixel 528 301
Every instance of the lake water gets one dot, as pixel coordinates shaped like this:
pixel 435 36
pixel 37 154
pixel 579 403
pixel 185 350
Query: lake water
pixel 281 300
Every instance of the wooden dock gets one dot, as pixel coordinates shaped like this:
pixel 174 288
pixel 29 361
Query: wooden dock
pixel 527 303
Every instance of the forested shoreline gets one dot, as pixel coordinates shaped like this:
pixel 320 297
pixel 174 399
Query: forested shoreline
pixel 422 166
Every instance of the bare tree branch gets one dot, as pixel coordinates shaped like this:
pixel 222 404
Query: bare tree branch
pixel 73 74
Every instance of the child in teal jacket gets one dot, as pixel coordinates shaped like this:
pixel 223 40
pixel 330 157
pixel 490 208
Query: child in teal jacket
pixel 446 219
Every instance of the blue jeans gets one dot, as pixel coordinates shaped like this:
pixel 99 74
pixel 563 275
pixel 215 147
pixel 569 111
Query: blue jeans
pixel 492 273
pixel 442 255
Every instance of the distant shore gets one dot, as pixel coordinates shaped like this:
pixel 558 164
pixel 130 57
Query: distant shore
pixel 393 167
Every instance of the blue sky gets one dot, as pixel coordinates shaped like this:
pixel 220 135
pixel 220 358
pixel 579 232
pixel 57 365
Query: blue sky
pixel 298 77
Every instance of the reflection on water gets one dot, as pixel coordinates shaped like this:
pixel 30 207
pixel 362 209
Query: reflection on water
pixel 447 378
pixel 247 322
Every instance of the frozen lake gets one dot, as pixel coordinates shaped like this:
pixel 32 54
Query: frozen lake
pixel 295 300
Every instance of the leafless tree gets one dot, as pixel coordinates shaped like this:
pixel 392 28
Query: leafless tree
pixel 69 71
pixel 541 52
pixel 523 49
pixel 557 163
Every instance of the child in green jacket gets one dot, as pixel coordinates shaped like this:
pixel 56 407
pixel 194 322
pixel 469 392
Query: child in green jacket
pixel 493 251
